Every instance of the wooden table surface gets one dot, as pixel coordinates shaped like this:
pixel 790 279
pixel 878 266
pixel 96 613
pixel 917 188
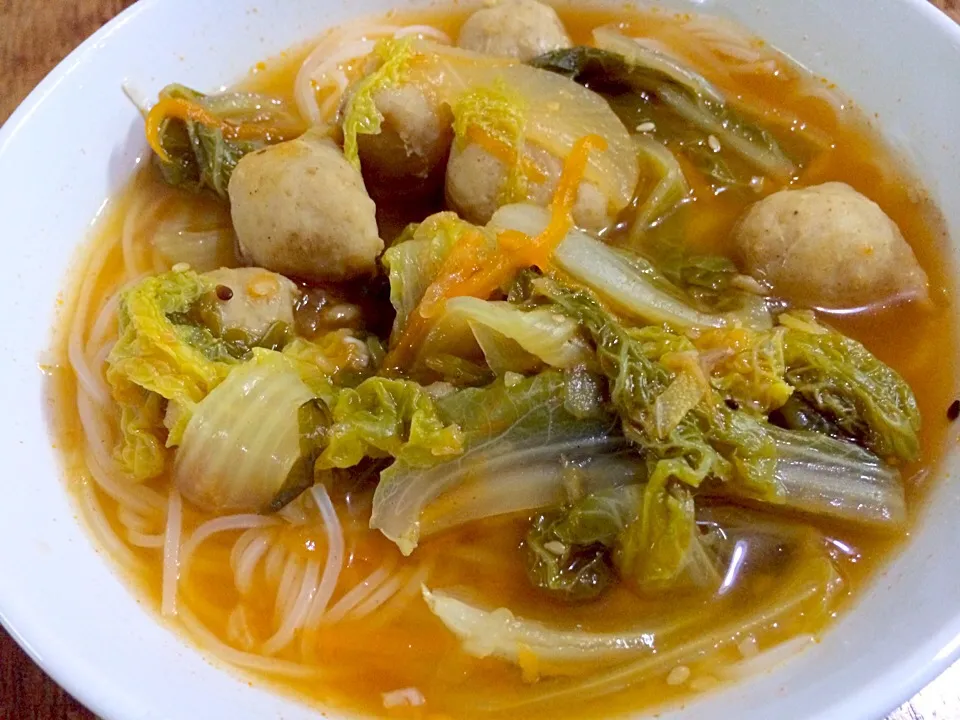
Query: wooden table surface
pixel 34 36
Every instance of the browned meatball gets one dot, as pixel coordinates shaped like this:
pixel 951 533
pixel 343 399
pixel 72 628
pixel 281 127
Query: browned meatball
pixel 515 28
pixel 412 144
pixel 300 209
pixel 828 246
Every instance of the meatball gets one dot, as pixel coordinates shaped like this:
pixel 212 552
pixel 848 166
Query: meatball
pixel 475 180
pixel 515 28
pixel 252 299
pixel 300 209
pixel 412 145
pixel 828 246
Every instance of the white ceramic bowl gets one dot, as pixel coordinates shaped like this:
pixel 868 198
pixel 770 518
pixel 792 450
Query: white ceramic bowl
pixel 76 140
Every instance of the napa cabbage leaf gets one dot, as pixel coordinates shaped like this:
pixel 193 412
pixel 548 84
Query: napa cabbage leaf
pixel 497 114
pixel 866 399
pixel 547 649
pixel 633 286
pixel 572 572
pixel 745 544
pixel 250 443
pixel 173 350
pixel 662 549
pixel 643 534
pixel 519 436
pixel 747 367
pixel 198 139
pixel 468 335
pixel 161 356
pixel 568 551
pixel 509 338
pixel 710 439
pixel 360 115
pixel 646 86
pixel 383 418
pixel 668 191
pixel 413 263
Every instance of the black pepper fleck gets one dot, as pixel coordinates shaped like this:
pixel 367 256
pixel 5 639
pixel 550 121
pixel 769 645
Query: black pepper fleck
pixel 953 412
pixel 732 404
pixel 224 293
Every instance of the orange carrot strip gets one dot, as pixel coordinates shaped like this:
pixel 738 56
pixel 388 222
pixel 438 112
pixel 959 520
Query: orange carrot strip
pixel 183 109
pixel 505 153
pixel 462 261
pixel 537 253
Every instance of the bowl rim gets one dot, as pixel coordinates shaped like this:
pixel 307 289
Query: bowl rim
pixel 97 692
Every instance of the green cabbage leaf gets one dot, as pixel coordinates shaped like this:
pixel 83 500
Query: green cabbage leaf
pixel 199 155
pixel 520 436
pixel 866 399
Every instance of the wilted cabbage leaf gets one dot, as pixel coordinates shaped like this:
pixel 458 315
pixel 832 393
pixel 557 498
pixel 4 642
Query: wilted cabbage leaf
pixel 747 367
pixel 249 444
pixel 517 434
pixel 710 440
pixel 662 549
pixel 172 351
pixel 499 633
pixel 466 333
pixel 161 354
pixel 199 139
pixel 415 262
pixel 668 189
pixel 381 418
pixel 631 284
pixel 644 85
pixel 568 551
pixel 865 398
pixel 510 338
pixel 648 533
pixel 566 571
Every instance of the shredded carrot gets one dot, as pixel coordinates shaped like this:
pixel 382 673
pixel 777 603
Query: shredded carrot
pixel 537 252
pixel 463 261
pixel 464 272
pixel 183 109
pixel 505 153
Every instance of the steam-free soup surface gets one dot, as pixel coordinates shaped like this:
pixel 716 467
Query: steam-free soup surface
pixel 245 587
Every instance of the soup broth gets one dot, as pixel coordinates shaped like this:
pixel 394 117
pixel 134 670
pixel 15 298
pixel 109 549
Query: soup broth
pixel 379 649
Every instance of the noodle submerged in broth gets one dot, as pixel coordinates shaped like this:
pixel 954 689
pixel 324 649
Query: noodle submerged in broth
pixel 508 361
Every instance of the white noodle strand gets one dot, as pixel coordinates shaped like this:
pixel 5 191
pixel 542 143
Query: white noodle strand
pixel 295 616
pixel 238 658
pixel 335 548
pixel 171 555
pixel 218 525
pixel 247 564
pixel 358 593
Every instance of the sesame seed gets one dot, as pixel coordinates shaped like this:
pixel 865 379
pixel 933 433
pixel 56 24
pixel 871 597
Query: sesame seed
pixel 645 127
pixel 555 546
pixel 713 143
pixel 679 675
